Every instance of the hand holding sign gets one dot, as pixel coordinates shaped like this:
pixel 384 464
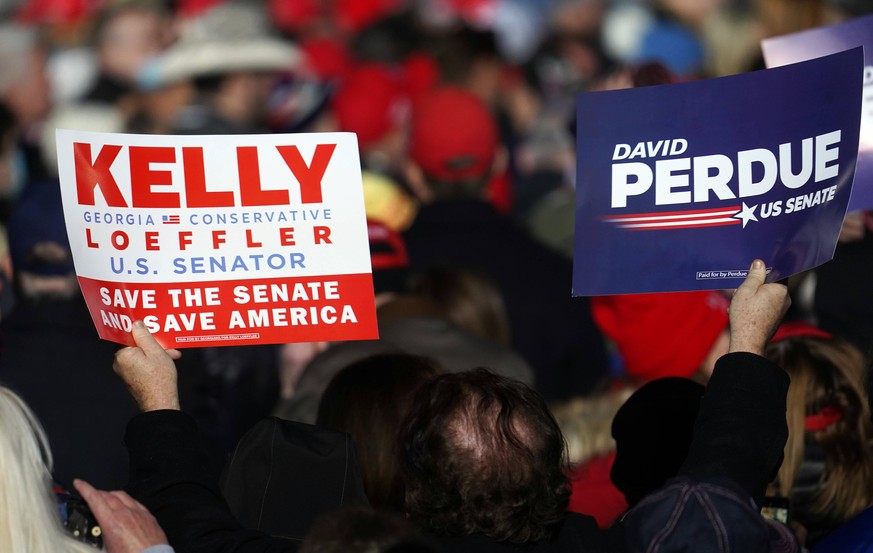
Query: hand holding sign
pixel 756 311
pixel 148 371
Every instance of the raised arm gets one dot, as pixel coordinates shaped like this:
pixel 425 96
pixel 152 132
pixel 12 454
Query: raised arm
pixel 170 471
pixel 756 310
pixel 741 431
pixel 148 371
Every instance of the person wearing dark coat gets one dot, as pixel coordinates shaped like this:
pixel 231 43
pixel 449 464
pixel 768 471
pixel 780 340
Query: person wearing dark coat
pixel 280 479
pixel 453 148
pixel 739 436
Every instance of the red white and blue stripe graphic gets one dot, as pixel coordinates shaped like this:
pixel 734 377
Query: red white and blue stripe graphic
pixel 676 219
pixel 170 219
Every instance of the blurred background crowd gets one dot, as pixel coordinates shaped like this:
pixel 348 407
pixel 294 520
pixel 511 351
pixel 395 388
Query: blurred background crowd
pixel 471 238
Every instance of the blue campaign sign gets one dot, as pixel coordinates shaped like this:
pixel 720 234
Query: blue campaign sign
pixel 680 187
pixel 822 41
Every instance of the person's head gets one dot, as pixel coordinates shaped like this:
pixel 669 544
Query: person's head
pixel 29 519
pixel 369 399
pixel 658 335
pixel 453 145
pixel 653 431
pixel 238 96
pixel 827 406
pixel 371 101
pixel 230 54
pixel 586 423
pixel 24 84
pixel 128 34
pixel 470 59
pixel 482 454
pixel 470 301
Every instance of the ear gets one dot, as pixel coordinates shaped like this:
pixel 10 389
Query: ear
pixel 417 182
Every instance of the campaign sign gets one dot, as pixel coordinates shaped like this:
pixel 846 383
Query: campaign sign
pixel 680 187
pixel 822 41
pixel 219 240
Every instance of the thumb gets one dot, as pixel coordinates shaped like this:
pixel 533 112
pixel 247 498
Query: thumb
pixel 144 339
pixel 756 277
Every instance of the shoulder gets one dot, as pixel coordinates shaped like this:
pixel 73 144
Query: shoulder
pixel 580 533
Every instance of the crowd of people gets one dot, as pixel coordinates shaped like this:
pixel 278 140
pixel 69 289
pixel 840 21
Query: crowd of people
pixel 495 412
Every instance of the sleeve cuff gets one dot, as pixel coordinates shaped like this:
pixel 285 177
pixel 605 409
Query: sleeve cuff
pixel 162 548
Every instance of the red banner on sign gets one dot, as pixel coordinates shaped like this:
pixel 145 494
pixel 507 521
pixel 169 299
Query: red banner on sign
pixel 236 312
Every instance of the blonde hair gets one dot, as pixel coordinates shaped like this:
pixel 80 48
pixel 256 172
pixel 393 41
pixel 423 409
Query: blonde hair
pixel 29 520
pixel 828 372
pixel 586 423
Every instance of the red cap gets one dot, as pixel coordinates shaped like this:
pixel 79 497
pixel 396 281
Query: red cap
pixel 327 57
pixel 57 11
pixel 370 102
pixel 453 135
pixel 422 73
pixel 354 15
pixel 387 248
pixel 292 16
pixel 188 9
pixel 798 329
pixel 662 335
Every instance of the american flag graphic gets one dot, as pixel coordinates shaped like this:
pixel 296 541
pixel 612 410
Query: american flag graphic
pixel 677 219
pixel 170 219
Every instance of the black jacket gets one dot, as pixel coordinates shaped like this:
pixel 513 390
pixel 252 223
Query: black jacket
pixel 282 477
pixel 741 431
pixel 553 331
pixel 578 534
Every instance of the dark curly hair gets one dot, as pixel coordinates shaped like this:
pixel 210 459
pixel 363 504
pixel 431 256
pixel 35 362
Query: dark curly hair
pixel 481 453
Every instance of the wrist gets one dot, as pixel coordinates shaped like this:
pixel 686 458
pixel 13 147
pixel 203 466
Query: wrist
pixel 170 403
pixel 746 346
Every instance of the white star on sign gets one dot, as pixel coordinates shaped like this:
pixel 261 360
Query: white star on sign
pixel 747 214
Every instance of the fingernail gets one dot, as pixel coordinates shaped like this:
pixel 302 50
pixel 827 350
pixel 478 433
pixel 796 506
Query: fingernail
pixel 138 324
pixel 757 264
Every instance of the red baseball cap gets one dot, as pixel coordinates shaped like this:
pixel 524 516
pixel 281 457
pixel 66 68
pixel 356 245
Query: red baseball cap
pixel 327 57
pixel 371 101
pixel 453 134
pixel 660 335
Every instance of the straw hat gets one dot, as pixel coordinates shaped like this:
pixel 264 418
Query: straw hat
pixel 230 37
